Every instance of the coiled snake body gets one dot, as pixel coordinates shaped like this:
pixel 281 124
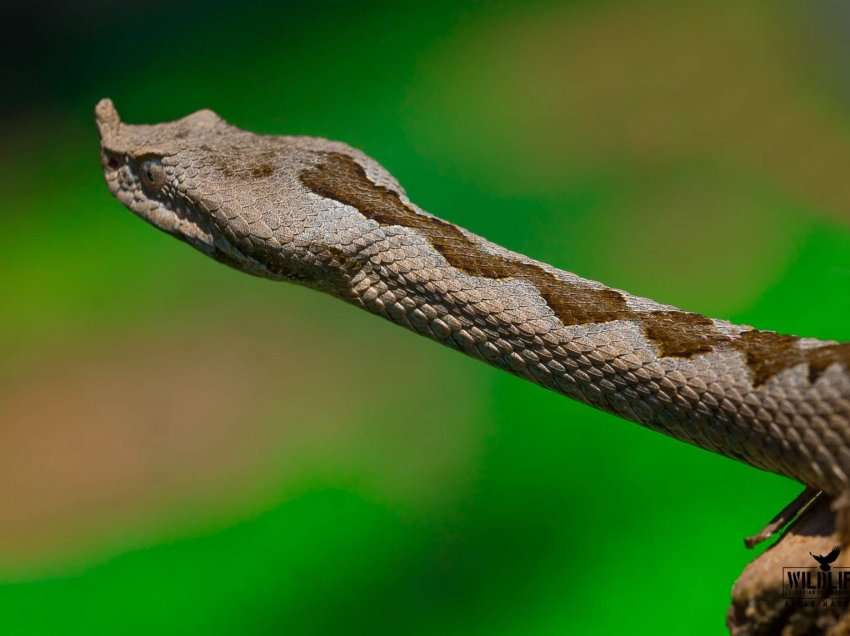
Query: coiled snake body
pixel 325 215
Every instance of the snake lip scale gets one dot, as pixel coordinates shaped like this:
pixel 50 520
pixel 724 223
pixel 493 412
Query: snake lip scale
pixel 325 215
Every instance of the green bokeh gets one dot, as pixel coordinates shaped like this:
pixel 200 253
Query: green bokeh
pixel 569 521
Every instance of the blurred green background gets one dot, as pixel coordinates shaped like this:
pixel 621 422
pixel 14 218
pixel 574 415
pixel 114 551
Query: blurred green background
pixel 188 450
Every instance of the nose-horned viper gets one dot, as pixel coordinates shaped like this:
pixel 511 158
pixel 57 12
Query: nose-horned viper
pixel 325 215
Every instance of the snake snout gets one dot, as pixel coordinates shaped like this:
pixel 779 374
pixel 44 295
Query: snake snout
pixel 107 119
pixel 108 123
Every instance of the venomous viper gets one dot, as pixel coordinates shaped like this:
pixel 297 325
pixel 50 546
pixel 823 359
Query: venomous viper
pixel 325 215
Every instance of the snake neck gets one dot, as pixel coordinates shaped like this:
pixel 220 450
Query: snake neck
pixel 776 402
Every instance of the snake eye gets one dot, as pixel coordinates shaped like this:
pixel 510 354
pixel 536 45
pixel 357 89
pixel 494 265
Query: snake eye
pixel 153 174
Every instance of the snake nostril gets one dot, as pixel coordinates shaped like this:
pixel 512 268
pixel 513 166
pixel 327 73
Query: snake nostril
pixel 110 159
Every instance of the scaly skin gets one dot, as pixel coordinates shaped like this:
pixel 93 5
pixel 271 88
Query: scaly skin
pixel 323 214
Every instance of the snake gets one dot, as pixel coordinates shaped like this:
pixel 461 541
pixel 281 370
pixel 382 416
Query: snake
pixel 322 214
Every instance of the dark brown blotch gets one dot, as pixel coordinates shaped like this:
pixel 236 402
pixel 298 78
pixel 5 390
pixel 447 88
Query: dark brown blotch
pixel 768 353
pixel 821 358
pixel 576 305
pixel 232 163
pixel 261 170
pixel 681 334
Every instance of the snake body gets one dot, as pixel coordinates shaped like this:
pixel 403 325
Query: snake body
pixel 325 215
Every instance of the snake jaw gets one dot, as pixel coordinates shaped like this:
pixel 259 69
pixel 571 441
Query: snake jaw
pixel 173 216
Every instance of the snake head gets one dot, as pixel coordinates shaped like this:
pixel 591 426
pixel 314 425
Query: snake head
pixel 242 198
pixel 150 169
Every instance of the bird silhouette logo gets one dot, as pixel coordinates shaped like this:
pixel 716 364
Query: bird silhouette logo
pixel 826 559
